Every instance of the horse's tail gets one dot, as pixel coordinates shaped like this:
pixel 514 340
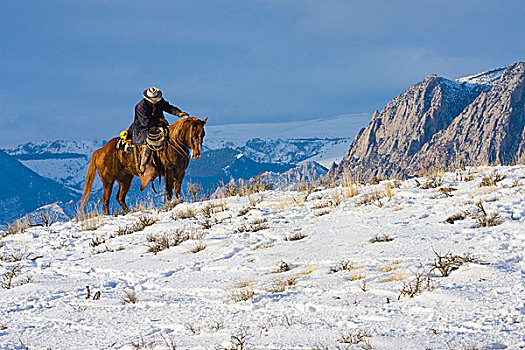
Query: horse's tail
pixel 90 176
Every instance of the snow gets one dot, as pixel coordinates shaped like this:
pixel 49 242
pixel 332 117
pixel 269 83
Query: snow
pixel 485 78
pixel 479 305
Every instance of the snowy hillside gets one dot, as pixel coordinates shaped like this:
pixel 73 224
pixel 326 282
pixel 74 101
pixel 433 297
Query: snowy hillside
pixel 281 270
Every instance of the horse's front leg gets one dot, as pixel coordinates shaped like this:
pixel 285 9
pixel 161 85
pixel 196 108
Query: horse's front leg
pixel 177 184
pixel 168 185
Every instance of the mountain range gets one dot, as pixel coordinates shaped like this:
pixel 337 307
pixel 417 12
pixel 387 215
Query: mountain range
pixel 237 151
pixel 442 123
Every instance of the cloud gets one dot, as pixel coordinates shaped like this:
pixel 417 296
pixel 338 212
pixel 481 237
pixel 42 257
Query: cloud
pixel 83 65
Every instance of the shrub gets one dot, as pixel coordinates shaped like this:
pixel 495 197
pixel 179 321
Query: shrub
pixel 187 213
pixel 256 225
pixel 6 279
pixel 342 265
pixel 447 263
pixel 193 190
pixel 456 217
pixel 139 225
pixel 166 240
pixel 371 198
pixel 491 180
pixel 416 286
pixel 238 341
pixel 96 241
pixel 199 246
pixel 483 219
pixel 355 337
pixel 432 182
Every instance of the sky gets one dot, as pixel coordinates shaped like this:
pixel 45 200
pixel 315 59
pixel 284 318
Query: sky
pixel 76 69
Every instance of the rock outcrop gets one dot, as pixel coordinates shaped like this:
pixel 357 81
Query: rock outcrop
pixel 442 123
pixel 491 130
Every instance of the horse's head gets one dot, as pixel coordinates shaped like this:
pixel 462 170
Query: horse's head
pixel 189 131
pixel 196 136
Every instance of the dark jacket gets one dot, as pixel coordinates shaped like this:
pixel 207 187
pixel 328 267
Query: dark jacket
pixel 147 115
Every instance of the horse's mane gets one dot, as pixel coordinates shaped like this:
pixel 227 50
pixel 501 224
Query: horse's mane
pixel 177 127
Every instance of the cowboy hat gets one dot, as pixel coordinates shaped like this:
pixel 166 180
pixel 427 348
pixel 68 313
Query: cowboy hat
pixel 152 94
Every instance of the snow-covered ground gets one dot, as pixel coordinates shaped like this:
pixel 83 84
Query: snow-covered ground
pixel 190 297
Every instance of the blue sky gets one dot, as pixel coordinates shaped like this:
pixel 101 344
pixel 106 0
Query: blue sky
pixel 76 69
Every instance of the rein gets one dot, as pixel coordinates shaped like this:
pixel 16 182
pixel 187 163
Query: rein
pixel 176 145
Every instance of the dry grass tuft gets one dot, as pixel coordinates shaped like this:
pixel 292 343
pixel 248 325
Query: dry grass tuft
pixel 187 213
pixel 491 180
pixel 432 182
pixel 381 238
pixel 281 284
pixel 166 240
pixel 350 185
pixel 373 197
pixel 140 224
pixel 396 276
pixel 18 226
pixel 295 236
pixel 355 277
pixel 129 297
pixel 89 220
pixel 199 246
pixel 256 225
pixel 342 265
pixel 355 337
pixel 241 294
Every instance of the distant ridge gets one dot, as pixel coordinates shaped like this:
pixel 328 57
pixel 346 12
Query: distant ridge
pixel 22 190
pixel 438 122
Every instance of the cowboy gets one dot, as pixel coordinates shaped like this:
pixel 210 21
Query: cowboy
pixel 149 113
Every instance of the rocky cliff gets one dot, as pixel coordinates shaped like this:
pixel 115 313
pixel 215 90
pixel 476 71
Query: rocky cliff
pixel 442 123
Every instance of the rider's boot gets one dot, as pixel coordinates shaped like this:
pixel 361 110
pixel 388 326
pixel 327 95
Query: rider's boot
pixel 146 170
pixel 145 155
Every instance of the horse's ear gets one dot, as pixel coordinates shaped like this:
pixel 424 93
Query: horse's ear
pixel 205 119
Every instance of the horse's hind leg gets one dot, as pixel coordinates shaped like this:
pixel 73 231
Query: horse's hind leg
pixel 106 196
pixel 123 188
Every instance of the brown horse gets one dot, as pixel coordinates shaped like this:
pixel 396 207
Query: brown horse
pixel 116 165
